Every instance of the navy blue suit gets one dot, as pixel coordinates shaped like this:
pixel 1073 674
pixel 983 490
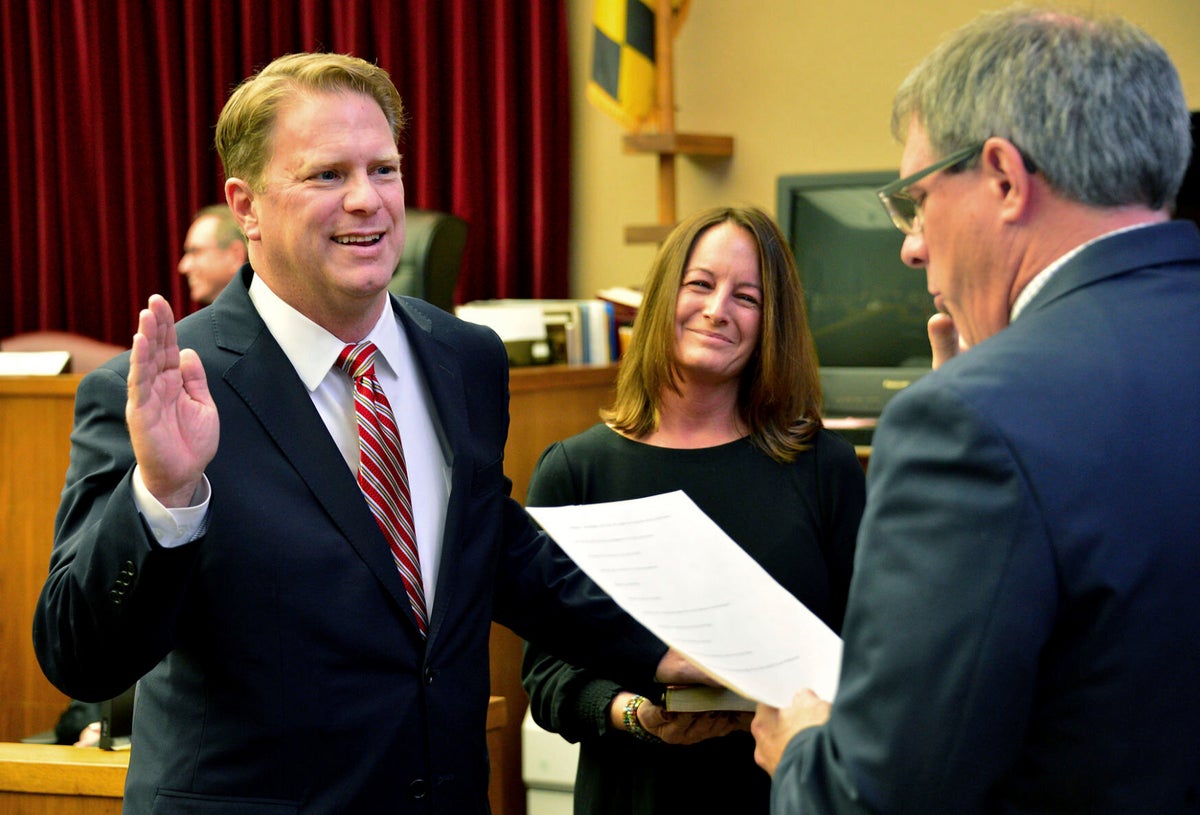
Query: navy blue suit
pixel 1023 629
pixel 282 667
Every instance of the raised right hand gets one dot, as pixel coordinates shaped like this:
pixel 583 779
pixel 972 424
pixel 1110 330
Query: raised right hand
pixel 172 419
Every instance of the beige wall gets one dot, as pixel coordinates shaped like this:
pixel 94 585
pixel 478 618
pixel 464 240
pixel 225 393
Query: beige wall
pixel 801 85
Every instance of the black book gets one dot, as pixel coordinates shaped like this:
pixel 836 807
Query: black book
pixel 116 721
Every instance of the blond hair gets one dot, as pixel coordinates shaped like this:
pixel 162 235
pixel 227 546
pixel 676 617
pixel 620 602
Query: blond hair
pixel 245 124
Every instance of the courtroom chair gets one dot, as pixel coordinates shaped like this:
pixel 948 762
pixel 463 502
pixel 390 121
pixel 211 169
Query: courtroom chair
pixel 433 251
pixel 86 353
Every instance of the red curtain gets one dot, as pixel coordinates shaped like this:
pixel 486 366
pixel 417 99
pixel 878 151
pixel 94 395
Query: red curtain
pixel 109 108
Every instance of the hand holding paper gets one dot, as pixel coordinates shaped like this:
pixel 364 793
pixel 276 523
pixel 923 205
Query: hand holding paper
pixel 674 570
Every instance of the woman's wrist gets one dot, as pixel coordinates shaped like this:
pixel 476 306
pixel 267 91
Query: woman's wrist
pixel 629 704
pixel 616 710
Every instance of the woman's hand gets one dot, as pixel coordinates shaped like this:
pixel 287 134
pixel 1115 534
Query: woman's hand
pixel 674 727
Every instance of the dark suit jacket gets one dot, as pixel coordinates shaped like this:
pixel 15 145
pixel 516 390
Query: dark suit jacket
pixel 282 667
pixel 1023 631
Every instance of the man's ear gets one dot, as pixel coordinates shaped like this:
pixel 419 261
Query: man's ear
pixel 240 198
pixel 1010 179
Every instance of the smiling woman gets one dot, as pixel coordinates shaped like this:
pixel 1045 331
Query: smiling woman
pixel 717 396
pixel 718 312
pixel 725 277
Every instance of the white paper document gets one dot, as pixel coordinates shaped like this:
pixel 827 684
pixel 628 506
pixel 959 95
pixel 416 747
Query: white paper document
pixel 33 363
pixel 675 571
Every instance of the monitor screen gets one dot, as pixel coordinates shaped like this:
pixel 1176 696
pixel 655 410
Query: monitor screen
pixel 866 308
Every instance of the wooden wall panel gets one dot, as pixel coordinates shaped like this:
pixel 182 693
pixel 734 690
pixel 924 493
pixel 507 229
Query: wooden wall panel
pixel 36 415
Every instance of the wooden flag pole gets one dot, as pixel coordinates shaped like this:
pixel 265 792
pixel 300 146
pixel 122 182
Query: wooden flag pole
pixel 664 73
pixel 666 143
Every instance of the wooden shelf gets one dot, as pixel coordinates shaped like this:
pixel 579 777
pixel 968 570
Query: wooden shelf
pixel 36 417
pixel 667 145
pixel 649 233
pixel 684 144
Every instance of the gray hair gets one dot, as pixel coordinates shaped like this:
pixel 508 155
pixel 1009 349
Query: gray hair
pixel 227 230
pixel 1094 103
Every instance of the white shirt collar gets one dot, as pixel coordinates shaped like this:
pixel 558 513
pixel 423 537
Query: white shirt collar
pixel 311 349
pixel 1043 277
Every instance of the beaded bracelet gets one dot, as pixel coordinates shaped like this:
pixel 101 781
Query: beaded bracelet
pixel 630 720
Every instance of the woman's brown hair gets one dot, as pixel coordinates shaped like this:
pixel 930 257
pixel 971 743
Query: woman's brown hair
pixel 779 395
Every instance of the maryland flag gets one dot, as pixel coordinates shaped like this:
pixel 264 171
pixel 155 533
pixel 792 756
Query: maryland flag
pixel 622 83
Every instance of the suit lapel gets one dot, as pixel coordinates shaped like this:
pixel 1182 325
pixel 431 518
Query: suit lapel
pixel 262 377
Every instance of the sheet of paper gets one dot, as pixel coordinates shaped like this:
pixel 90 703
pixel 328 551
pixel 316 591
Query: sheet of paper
pixel 511 322
pixel 667 564
pixel 33 363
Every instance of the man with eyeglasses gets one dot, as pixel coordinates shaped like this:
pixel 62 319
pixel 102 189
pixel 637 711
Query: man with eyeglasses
pixel 213 250
pixel 1023 629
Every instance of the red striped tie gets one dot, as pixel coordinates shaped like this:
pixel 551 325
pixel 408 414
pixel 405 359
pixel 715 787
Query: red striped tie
pixel 381 471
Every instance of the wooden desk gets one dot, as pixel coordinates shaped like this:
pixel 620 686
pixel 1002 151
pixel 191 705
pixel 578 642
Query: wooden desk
pixel 547 404
pixel 36 415
pixel 53 779
pixel 852 424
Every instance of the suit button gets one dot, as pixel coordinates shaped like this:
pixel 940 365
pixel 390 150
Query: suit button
pixel 418 789
pixel 429 676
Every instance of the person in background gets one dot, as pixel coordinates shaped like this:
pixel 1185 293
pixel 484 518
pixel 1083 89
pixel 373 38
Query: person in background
pixel 213 251
pixel 718 396
pixel 306 606
pixel 78 724
pixel 1023 631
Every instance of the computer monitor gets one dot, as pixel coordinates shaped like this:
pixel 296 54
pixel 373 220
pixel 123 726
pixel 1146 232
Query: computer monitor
pixel 867 310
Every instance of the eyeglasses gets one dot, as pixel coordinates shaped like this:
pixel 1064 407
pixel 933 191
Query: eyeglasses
pixel 203 250
pixel 904 210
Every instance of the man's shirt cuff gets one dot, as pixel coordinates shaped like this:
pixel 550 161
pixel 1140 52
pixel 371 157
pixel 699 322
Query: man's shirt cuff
pixel 172 527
